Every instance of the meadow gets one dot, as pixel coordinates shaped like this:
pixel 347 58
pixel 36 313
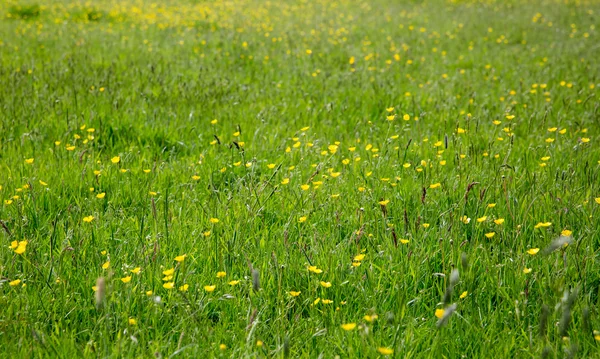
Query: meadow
pixel 299 179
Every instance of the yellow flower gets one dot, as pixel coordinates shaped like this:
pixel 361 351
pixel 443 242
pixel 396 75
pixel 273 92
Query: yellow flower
pixel 132 321
pixel 126 279
pixel 221 274
pixel 233 282
pixel 169 285
pixel 435 185
pixel 463 294
pixel 271 166
pixel 404 241
pixel 406 117
pixel 566 233
pixel 425 225
pixel 29 161
pixel 325 284
pixel 305 187
pixel 100 195
pixel 295 294
pixel 214 220
pixel 302 219
pixel 136 270
pixel 490 234
pixel 348 326
pixel 285 181
pixel 597 200
pixel 533 251
pixel 195 177
pixel 184 287
pixel 526 270
pixel 542 224
pixel 41 182
pixel 15 282
pixel 169 271
pixel 327 301
pixel 499 221
pixel 21 247
pixel 371 318
pixel 210 288
pixel 259 343
pixel 481 219
pixel 88 219
pixel 180 258
pixel 384 203
pixel 439 313
pixel 465 219
pixel 359 257
pixel 106 265
pixel 222 346
pixel 385 351
pixel 314 269
pixel 115 159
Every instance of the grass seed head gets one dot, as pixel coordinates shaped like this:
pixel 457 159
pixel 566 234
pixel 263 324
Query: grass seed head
pixel 100 291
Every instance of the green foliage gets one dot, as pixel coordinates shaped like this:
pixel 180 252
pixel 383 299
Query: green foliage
pixel 252 178
pixel 24 12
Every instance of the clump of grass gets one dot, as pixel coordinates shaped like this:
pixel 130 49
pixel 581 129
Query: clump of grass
pixel 24 12
pixel 89 15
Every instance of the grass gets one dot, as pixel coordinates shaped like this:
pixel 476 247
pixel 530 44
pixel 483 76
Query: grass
pixel 302 166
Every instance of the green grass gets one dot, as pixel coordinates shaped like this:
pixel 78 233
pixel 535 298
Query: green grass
pixel 185 111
